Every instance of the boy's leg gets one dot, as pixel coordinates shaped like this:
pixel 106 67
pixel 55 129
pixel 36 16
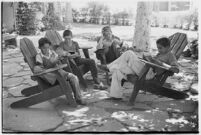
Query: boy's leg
pixel 74 82
pixel 129 61
pixel 116 89
pixel 112 54
pixel 90 63
pixel 100 55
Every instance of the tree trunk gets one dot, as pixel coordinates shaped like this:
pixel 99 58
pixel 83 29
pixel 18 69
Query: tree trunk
pixel 141 39
pixel 69 17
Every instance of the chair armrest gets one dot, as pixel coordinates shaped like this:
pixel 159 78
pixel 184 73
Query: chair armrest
pixel 50 70
pixel 155 65
pixel 85 50
pixel 9 36
pixel 86 47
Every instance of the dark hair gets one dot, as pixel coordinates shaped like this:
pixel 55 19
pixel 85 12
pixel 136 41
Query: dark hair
pixel 42 41
pixel 165 42
pixel 67 33
pixel 106 28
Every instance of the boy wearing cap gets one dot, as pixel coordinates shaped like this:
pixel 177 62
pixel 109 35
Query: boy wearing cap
pixel 108 47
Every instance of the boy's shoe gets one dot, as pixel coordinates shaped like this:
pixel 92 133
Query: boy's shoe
pixel 81 102
pixel 114 98
pixel 100 86
pixel 104 68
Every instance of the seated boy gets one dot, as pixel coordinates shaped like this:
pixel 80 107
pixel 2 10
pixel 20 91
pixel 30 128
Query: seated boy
pixel 108 47
pixel 49 59
pixel 128 63
pixel 71 49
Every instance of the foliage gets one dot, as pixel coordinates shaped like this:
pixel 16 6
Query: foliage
pixel 37 6
pixel 96 12
pixel 51 21
pixel 75 14
pixel 97 9
pixel 192 17
pixel 25 19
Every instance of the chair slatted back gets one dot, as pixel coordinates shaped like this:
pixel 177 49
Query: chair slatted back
pixel 178 42
pixel 54 37
pixel 29 52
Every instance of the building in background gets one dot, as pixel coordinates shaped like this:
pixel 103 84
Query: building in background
pixel 9 15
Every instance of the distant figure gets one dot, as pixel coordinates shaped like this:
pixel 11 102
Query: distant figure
pixel 108 47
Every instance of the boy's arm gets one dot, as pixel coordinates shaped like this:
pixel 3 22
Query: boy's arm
pixel 173 63
pixel 54 58
pixel 39 64
pixel 77 48
pixel 61 52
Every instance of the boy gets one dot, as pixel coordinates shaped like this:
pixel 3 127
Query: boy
pixel 49 59
pixel 108 47
pixel 128 63
pixel 72 50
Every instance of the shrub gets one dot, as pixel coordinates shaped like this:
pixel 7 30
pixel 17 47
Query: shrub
pixel 51 21
pixel 25 19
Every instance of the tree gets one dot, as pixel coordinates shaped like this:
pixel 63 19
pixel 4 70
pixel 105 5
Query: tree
pixel 141 39
pixel 68 15
pixel 121 15
pixel 96 10
pixel 25 19
pixel 51 20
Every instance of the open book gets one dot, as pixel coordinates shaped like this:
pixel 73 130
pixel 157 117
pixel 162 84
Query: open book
pixel 151 61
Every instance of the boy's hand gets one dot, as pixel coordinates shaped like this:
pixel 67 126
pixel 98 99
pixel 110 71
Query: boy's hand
pixel 174 69
pixel 148 58
pixel 54 59
pixel 38 69
pixel 75 55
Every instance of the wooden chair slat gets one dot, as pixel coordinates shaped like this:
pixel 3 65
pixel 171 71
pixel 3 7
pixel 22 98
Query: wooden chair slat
pixel 54 37
pixel 182 47
pixel 173 39
pixel 28 55
pixel 178 44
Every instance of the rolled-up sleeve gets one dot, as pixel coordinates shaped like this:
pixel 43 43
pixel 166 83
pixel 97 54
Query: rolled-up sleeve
pixel 100 44
pixel 39 59
pixel 173 61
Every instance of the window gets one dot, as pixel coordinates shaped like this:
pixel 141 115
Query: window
pixel 179 6
pixel 163 6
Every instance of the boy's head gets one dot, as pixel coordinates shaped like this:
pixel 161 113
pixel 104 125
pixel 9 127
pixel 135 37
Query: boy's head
pixel 163 45
pixel 67 35
pixel 44 45
pixel 106 31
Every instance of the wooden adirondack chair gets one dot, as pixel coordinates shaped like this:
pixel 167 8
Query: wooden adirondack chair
pixel 156 85
pixel 56 39
pixel 43 91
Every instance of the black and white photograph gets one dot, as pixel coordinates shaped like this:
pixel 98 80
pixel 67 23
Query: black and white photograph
pixel 99 66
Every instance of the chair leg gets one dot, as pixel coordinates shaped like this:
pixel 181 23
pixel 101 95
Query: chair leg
pixel 86 53
pixel 134 94
pixel 66 89
pixel 45 95
pixel 164 91
pixel 77 72
pixel 30 91
pixel 107 78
